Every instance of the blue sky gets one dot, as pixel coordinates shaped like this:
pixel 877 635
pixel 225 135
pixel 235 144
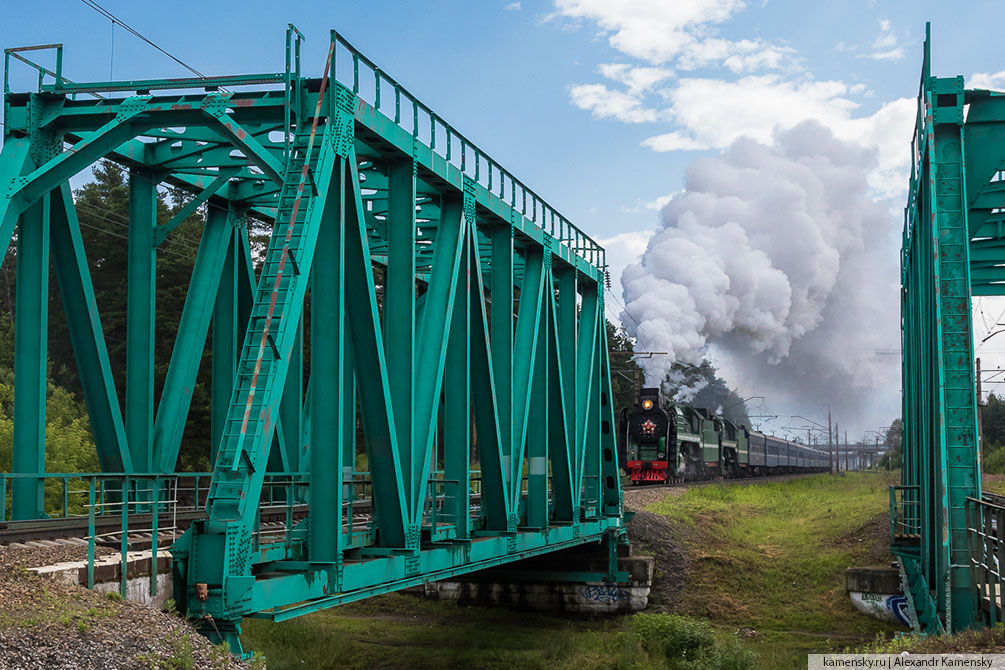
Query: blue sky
pixel 517 77
pixel 598 105
pixel 504 75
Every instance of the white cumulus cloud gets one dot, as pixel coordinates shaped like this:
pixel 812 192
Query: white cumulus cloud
pixel 606 103
pixel 659 31
pixel 638 80
pixel 886 45
pixel 987 80
pixel 655 204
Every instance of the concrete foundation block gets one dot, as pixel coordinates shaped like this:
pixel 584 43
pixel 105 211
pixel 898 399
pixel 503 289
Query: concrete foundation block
pixel 873 579
pixel 108 571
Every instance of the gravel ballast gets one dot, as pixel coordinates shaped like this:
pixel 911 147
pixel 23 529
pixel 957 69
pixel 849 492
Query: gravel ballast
pixel 45 624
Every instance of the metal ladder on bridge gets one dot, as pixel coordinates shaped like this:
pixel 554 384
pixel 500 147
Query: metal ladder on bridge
pixel 276 312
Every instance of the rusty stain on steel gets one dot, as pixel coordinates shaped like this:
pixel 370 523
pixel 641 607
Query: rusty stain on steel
pixel 286 245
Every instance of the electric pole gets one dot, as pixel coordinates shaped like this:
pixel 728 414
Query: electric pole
pixel 846 451
pixel 837 447
pixel 980 423
pixel 830 441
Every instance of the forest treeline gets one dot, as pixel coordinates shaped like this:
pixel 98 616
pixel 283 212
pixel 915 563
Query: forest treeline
pixel 102 206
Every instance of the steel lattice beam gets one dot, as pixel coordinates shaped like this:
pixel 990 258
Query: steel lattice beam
pixel 459 313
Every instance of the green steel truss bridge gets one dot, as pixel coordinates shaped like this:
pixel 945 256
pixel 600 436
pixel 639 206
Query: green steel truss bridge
pixel 943 531
pixel 456 320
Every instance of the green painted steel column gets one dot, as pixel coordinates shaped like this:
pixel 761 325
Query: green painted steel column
pixel 141 289
pixel 501 338
pixel 327 379
pixel 586 398
pixel 225 340
pixel 568 311
pixel 362 321
pixel 611 502
pixel 528 325
pixel 591 449
pixel 958 451
pixel 69 264
pixel 457 395
pixel 568 334
pixel 432 338
pixel 538 419
pixel 292 404
pixel 30 352
pixel 231 313
pixel 495 502
pixel 399 315
pixel 348 429
pixel 193 327
pixel 560 440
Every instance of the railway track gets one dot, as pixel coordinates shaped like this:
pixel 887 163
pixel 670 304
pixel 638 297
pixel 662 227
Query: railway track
pixel 108 528
pixel 629 490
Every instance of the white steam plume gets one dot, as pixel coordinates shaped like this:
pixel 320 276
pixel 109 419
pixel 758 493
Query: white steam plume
pixel 684 390
pixel 776 259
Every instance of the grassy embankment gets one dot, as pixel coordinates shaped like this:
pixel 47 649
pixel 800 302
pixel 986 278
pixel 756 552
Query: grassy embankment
pixel 771 557
pixel 768 557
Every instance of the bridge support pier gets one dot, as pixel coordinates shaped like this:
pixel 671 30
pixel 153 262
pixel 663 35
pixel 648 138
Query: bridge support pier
pixel 577 580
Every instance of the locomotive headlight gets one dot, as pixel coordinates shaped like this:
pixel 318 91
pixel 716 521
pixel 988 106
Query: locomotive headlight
pixel 647 404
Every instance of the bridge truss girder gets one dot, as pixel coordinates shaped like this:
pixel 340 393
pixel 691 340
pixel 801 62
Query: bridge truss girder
pixel 484 334
pixel 952 250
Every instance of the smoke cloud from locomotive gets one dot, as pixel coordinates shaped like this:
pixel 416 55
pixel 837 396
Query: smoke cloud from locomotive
pixel 776 259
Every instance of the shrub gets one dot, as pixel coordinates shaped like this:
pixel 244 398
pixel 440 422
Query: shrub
pixel 994 459
pixel 679 643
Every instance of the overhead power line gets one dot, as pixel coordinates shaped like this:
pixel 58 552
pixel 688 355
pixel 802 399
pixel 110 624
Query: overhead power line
pixel 623 308
pixel 93 4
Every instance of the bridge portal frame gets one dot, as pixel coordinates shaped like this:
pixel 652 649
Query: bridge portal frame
pixel 953 249
pixel 485 333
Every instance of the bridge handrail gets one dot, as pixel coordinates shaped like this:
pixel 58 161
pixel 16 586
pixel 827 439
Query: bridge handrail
pixel 74 485
pixel 548 218
pixel 985 520
pixel 905 511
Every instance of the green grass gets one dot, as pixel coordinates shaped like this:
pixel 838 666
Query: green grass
pixel 993 483
pixel 772 557
pixel 765 556
pixel 983 641
pixel 399 631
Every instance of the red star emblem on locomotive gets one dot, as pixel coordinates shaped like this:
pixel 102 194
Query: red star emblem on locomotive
pixel 648 428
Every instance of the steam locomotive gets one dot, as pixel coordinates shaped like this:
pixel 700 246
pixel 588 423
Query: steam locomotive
pixel 661 441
